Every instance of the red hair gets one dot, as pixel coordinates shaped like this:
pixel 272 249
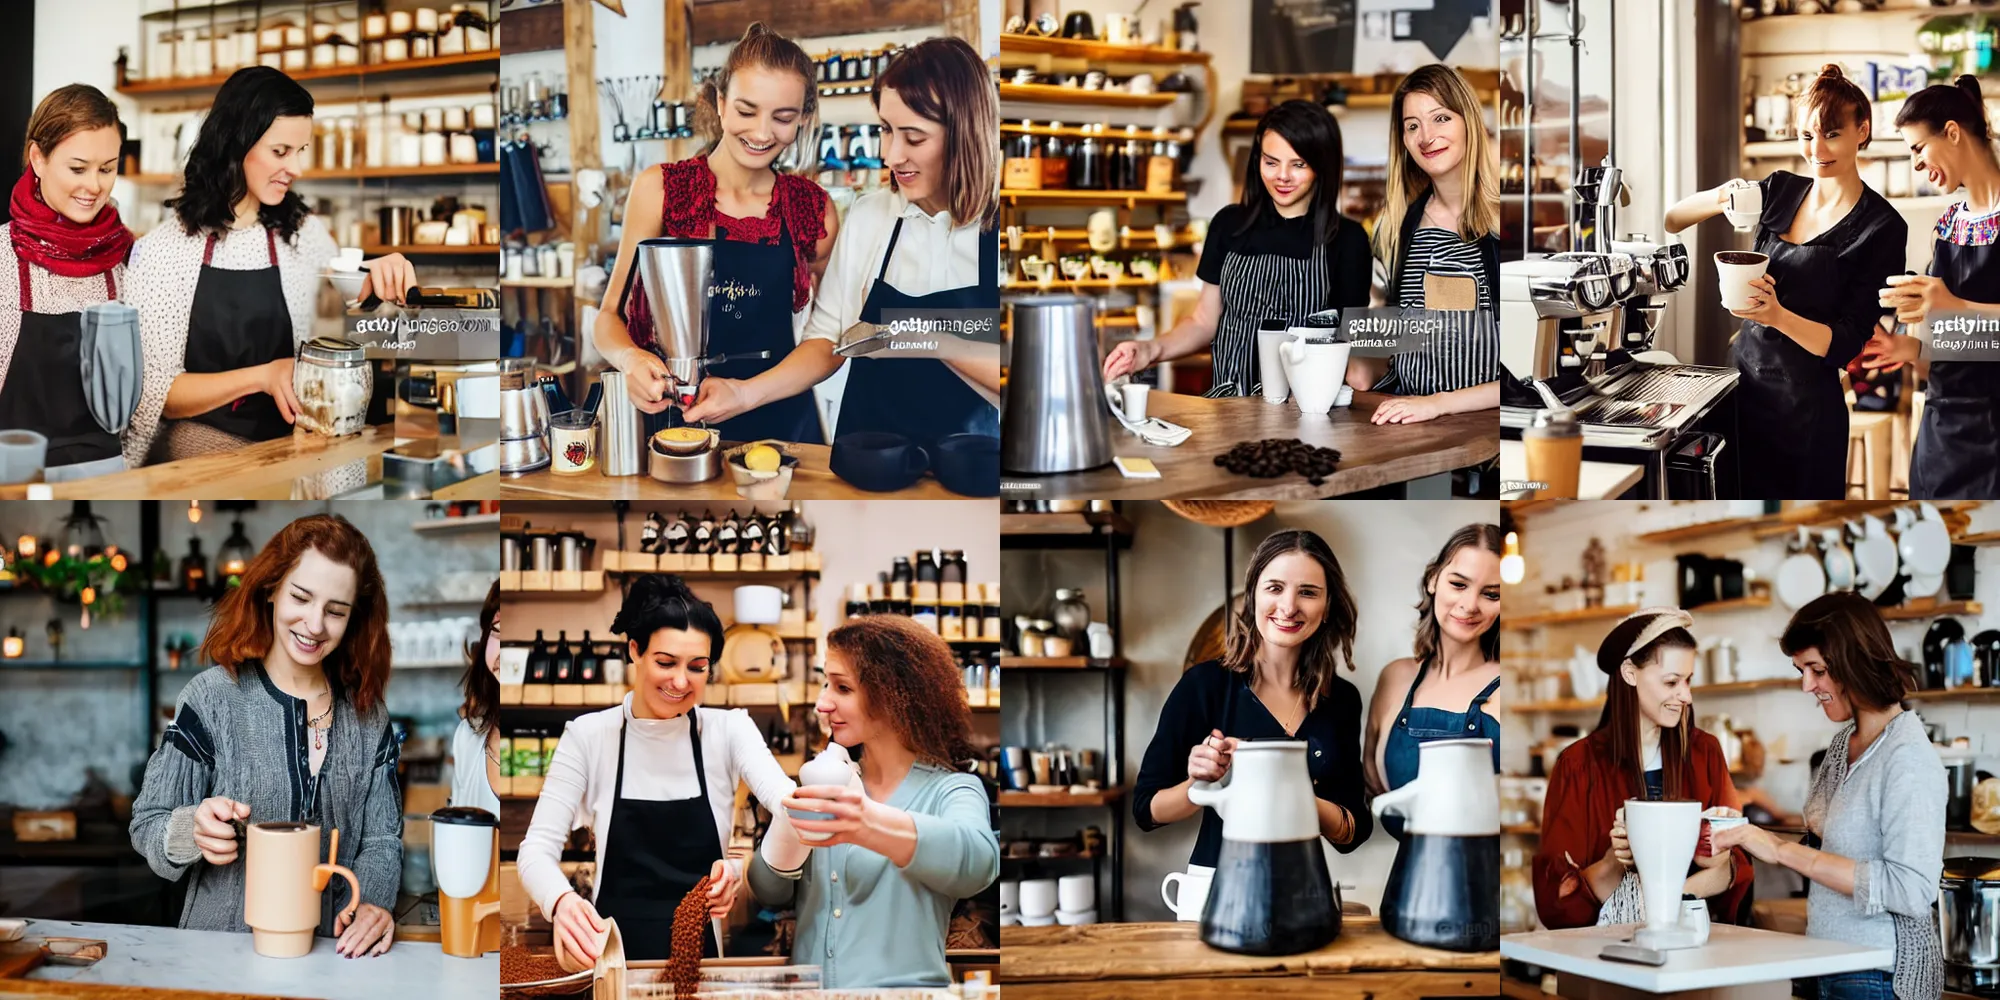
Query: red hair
pixel 240 628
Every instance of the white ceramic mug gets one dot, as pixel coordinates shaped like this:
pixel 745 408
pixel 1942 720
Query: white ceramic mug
pixel 1010 896
pixel 1737 269
pixel 1076 893
pixel 1316 372
pixel 1133 395
pixel 1744 207
pixel 1190 891
pixel 1038 898
pixel 1271 364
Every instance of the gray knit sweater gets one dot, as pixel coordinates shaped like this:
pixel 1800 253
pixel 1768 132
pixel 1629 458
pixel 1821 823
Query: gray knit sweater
pixel 244 739
pixel 1885 812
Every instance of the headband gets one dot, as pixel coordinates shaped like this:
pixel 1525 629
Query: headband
pixel 1651 623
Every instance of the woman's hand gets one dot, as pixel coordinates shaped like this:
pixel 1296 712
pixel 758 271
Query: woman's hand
pixel 1210 759
pixel 1764 308
pixel 278 384
pixel 578 926
pixel 1129 357
pixel 1408 410
pixel 1621 848
pixel 1916 296
pixel 213 832
pixel 390 278
pixel 1722 193
pixel 722 886
pixel 1758 842
pixel 718 400
pixel 367 932
pixel 646 379
pixel 1890 351
pixel 852 814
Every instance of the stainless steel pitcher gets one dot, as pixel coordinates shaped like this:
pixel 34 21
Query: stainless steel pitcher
pixel 1055 416
pixel 676 273
pixel 621 442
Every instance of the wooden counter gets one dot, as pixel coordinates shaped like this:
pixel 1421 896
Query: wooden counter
pixel 1370 456
pixel 812 480
pixel 263 471
pixel 1167 961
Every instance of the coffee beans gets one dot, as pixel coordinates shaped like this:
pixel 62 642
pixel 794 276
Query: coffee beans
pixel 690 923
pixel 1274 457
pixel 518 965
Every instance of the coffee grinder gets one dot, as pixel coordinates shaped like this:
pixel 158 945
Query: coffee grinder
pixel 677 273
pixel 465 850
pixel 1663 839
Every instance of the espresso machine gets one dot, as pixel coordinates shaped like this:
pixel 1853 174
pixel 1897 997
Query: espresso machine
pixel 465 850
pixel 1594 312
pixel 677 274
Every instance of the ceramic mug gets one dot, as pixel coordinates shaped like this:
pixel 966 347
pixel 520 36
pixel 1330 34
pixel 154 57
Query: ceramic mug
pixel 1271 364
pixel 1316 371
pixel 1191 891
pixel 573 443
pixel 1744 207
pixel 282 880
pixel 1736 269
pixel 1038 898
pixel 1076 893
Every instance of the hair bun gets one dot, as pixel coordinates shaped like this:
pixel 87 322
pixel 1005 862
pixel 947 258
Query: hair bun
pixel 1832 70
pixel 1969 84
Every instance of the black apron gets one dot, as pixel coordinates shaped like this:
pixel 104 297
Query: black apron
pixel 44 390
pixel 1957 455
pixel 750 310
pixel 655 852
pixel 240 320
pixel 1791 412
pixel 922 399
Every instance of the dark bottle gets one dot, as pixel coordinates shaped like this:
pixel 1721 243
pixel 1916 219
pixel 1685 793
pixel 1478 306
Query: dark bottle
pixel 679 533
pixel 774 535
pixel 878 596
pixel 1055 160
pixel 857 601
pixel 726 534
pixel 588 667
pixel 650 532
pixel 563 663
pixel 194 568
pixel 926 589
pixel 900 572
pixel 163 570
pixel 1086 164
pixel 538 660
pixel 1114 166
pixel 781 535
pixel 704 535
pixel 750 537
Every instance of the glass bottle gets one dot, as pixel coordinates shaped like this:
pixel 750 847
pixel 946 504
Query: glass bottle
pixel 563 663
pixel 1086 164
pixel 951 576
pixel 751 535
pixel 1055 160
pixel 587 664
pixel 194 568
pixel 680 534
pixel 857 600
pixel 774 535
pixel 704 535
pixel 926 591
pixel 650 532
pixel 726 533
pixel 538 660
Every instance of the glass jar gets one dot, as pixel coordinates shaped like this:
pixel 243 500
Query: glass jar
pixel 333 381
pixel 1070 614
pixel 1022 170
pixel 1086 164
pixel 1055 160
pixel 951 576
pixel 951 621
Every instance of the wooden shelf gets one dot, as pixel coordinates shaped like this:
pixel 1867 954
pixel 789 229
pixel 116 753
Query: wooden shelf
pixel 1087 198
pixel 1060 663
pixel 1828 513
pixel 1882 148
pixel 1933 609
pixel 1734 604
pixel 1141 239
pixel 1559 705
pixel 431 250
pixel 1081 523
pixel 1081 284
pixel 727 576
pixel 465 61
pixel 1709 529
pixel 358 173
pixel 1980 538
pixel 1042 93
pixel 1744 687
pixel 1526 622
pixel 453 525
pixel 538 283
pixel 1524 509
pixel 1524 830
pixel 1075 48
pixel 1060 800
pixel 1957 694
pixel 1105 131
pixel 1700 690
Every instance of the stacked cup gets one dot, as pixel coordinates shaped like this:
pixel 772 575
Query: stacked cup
pixel 1076 899
pixel 1010 903
pixel 1038 902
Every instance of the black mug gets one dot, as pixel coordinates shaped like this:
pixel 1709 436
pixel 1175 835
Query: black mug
pixel 1079 25
pixel 968 464
pixel 877 461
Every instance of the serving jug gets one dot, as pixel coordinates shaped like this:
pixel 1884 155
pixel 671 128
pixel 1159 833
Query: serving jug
pixel 1444 888
pixel 1054 413
pixel 1271 893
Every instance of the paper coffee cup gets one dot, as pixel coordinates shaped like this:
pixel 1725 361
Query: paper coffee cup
pixel 1737 269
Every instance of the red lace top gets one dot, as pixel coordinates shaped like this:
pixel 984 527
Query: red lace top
pixel 688 211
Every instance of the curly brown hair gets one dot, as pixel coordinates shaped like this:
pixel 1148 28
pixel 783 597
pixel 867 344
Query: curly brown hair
pixel 911 680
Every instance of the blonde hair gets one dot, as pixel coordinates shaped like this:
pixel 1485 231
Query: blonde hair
pixel 761 47
pixel 944 80
pixel 1480 215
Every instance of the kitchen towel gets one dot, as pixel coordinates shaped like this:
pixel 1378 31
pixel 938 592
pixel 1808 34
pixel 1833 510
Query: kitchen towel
pixel 1151 430
pixel 112 363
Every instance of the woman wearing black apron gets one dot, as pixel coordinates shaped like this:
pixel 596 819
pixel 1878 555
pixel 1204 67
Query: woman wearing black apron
pixel 1278 680
pixel 1440 215
pixel 1284 253
pixel 770 231
pixel 656 780
pixel 69 248
pixel 1458 633
pixel 1831 241
pixel 226 289
pixel 1957 455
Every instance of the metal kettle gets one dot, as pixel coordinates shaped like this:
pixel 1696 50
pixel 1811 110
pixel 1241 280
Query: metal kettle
pixel 1054 415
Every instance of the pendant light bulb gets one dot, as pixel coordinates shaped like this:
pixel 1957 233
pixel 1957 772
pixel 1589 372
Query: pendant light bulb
pixel 1512 567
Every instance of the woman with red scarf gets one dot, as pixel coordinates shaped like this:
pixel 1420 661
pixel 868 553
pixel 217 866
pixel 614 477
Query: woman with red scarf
pixel 771 232
pixel 1645 747
pixel 68 250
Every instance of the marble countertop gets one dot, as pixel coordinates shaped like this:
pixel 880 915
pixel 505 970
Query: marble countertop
pixel 1733 956
pixel 170 958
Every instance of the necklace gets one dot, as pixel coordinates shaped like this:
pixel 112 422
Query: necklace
pixel 319 731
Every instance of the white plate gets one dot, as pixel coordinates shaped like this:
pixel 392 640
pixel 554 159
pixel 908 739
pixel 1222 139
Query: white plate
pixel 1926 545
pixel 1839 564
pixel 1800 579
pixel 1922 585
pixel 1875 558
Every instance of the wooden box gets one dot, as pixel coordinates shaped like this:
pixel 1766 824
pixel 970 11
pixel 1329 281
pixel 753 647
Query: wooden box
pixel 510 579
pixel 510 694
pixel 640 562
pixel 568 694
pixel 527 785
pixel 38 827
pixel 537 580
pixel 722 562
pixel 566 579
pixel 593 580
pixel 691 562
pixel 538 694
pixel 750 562
pixel 602 694
pixel 778 562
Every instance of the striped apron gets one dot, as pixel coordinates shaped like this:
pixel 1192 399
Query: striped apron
pixel 1257 287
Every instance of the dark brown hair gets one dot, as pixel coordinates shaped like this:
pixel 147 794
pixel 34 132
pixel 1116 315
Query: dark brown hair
pixel 1854 642
pixel 912 684
pixel 1936 105
pixel 239 630
pixel 1486 536
pixel 765 49
pixel 1330 645
pixel 944 80
pixel 1836 100
pixel 78 107
pixel 481 707
pixel 1620 719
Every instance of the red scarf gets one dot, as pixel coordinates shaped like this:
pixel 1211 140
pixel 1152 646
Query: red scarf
pixel 49 240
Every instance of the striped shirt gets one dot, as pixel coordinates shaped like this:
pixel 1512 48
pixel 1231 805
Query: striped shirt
pixel 1442 250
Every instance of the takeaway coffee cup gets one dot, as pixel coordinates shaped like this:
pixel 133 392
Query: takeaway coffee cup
pixel 1737 269
pixel 1187 892
pixel 1745 207
pixel 282 880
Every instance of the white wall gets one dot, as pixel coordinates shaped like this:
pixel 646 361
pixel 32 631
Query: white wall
pixel 1170 581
